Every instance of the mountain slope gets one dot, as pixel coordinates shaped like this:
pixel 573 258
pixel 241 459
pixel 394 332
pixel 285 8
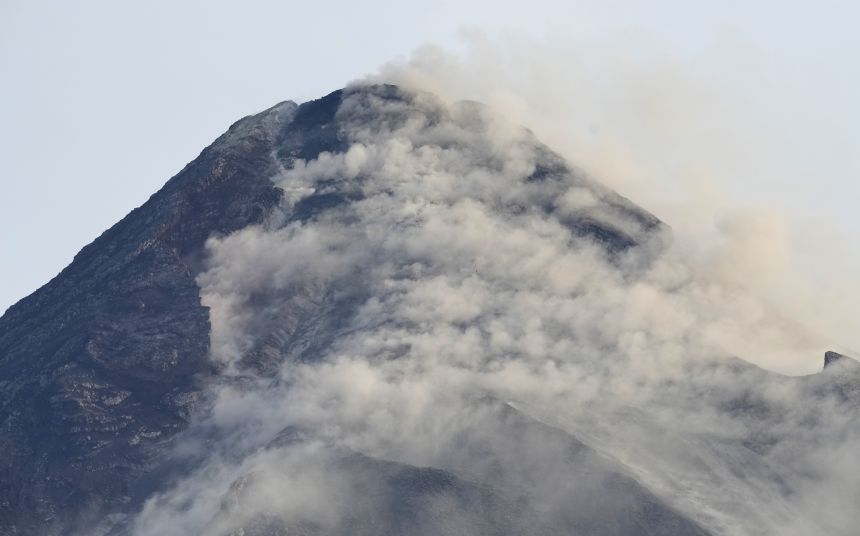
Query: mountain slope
pixel 101 362
pixel 377 270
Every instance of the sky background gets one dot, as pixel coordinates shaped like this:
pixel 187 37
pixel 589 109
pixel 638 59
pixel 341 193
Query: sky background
pixel 102 102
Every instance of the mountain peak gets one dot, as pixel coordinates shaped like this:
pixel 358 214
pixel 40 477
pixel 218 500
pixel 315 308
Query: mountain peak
pixel 308 326
pixel 126 339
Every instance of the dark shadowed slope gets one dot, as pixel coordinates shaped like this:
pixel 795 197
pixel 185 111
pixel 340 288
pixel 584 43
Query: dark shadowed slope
pixel 102 363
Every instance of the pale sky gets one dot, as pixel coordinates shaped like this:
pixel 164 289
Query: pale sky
pixel 102 102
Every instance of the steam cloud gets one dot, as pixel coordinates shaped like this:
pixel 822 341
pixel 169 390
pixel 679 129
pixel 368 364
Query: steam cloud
pixel 449 274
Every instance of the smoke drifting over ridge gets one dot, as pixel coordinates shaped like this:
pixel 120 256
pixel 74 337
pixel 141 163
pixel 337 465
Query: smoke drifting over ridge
pixel 688 143
pixel 438 261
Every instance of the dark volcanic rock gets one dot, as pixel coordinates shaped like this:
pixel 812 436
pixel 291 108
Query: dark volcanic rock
pixel 101 364
pixel 840 377
pixel 831 358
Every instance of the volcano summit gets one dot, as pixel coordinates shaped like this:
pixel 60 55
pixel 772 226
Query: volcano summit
pixel 379 313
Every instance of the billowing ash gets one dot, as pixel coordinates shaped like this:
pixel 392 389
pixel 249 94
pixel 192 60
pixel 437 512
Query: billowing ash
pixel 421 321
pixel 444 328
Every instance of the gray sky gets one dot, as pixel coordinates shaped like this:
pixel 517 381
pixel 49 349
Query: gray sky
pixel 103 101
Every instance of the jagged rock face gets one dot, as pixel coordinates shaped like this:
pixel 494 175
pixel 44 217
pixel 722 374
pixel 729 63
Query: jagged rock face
pixel 374 313
pixel 831 357
pixel 102 362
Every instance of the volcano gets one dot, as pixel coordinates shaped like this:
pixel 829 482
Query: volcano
pixel 380 313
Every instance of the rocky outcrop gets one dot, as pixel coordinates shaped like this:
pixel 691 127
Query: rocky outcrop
pixel 832 358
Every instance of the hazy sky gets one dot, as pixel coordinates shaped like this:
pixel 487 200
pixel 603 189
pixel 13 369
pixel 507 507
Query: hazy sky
pixel 103 101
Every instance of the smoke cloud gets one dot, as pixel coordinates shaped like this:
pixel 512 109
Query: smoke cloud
pixel 692 148
pixel 461 280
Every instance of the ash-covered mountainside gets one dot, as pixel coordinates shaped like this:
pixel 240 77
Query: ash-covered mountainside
pixel 376 313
